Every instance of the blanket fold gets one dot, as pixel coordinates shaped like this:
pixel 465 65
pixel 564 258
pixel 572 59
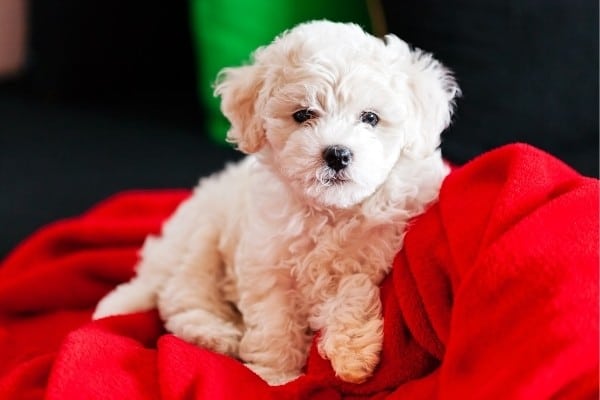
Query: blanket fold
pixel 494 295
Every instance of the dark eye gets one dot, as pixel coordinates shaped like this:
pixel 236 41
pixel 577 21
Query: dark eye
pixel 369 117
pixel 303 115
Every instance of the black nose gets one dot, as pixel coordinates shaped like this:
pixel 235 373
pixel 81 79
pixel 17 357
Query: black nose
pixel 337 157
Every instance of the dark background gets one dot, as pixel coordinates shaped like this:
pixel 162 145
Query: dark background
pixel 528 70
pixel 107 101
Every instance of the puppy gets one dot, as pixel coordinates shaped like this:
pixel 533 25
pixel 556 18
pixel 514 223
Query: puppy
pixel 343 131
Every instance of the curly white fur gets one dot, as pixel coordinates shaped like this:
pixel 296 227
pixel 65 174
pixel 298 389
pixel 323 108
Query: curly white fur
pixel 281 244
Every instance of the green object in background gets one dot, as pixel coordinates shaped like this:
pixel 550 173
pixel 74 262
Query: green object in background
pixel 225 32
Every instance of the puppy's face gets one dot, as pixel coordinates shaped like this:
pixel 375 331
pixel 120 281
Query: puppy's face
pixel 335 129
pixel 332 109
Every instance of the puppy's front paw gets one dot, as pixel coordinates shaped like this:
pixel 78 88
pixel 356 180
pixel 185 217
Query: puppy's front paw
pixel 354 354
pixel 354 366
pixel 272 376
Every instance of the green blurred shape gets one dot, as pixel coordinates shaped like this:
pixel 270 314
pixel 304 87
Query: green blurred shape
pixel 225 32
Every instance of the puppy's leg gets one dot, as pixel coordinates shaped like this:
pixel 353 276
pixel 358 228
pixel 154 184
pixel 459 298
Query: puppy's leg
pixel 158 257
pixel 139 294
pixel 352 331
pixel 129 297
pixel 276 341
pixel 192 303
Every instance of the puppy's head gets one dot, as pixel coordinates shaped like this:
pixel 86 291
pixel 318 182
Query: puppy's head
pixel 332 109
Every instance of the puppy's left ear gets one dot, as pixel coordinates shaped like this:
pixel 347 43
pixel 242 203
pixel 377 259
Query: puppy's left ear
pixel 433 94
pixel 240 89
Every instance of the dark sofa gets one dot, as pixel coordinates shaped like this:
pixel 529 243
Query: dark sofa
pixel 107 101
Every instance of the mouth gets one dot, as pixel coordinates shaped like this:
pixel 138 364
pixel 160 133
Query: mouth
pixel 335 181
pixel 328 177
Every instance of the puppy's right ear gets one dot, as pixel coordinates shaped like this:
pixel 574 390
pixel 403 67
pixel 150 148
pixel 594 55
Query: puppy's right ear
pixel 239 89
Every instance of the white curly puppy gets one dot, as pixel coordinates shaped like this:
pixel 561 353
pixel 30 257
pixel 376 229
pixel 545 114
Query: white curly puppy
pixel 344 130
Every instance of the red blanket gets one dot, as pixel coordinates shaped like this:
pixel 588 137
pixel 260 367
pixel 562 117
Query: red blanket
pixel 495 295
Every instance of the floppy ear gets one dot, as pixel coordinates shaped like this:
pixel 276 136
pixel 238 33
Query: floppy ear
pixel 433 93
pixel 239 89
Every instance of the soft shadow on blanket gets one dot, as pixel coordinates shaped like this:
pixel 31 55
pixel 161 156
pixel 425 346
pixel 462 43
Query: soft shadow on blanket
pixel 495 295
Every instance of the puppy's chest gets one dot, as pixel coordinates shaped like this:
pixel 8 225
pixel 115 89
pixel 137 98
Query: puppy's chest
pixel 320 257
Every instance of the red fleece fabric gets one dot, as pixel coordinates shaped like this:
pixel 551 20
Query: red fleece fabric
pixel 495 295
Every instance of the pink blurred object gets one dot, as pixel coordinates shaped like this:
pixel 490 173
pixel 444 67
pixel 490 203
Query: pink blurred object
pixel 13 32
